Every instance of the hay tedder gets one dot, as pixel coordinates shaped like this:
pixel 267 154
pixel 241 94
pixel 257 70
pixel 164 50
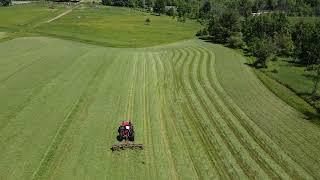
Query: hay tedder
pixel 126 137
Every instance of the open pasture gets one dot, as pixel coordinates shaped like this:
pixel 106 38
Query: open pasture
pixel 118 27
pixel 20 17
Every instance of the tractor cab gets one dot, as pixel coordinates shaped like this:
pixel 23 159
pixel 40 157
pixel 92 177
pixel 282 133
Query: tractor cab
pixel 125 131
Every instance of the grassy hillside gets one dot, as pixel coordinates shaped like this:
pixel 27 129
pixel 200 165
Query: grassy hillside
pixel 19 17
pixel 107 26
pixel 119 27
pixel 197 108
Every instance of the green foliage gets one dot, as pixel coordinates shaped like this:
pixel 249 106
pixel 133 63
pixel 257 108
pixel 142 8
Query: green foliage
pixel 262 49
pixel 205 10
pixel 171 12
pixel 235 40
pixel 265 26
pixel 183 10
pixel 125 3
pixel 284 44
pixel 306 39
pixel 5 2
pixel 147 21
pixel 245 7
pixel 202 32
pixel 159 6
pixel 222 27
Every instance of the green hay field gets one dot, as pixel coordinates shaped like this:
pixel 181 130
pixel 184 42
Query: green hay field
pixel 199 111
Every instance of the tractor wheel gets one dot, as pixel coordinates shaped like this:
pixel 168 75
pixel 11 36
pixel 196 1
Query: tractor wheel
pixel 131 138
pixel 119 138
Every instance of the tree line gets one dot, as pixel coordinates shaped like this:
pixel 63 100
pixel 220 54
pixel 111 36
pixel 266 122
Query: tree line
pixel 5 2
pixel 266 35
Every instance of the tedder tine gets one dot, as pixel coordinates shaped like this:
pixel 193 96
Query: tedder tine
pixel 117 147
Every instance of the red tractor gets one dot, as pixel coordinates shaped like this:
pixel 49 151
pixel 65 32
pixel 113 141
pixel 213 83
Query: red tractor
pixel 126 132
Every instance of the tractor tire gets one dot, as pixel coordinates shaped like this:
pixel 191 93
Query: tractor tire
pixel 131 138
pixel 119 138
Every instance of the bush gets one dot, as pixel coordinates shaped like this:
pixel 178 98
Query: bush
pixel 262 49
pixel 5 2
pixel 147 21
pixel 235 40
pixel 202 32
pixel 284 44
pixel 274 59
pixel 182 19
pixel 171 12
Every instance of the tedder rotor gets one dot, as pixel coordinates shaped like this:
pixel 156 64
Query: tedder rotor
pixel 126 137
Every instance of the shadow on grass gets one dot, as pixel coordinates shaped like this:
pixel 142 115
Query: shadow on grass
pixel 309 76
pixel 313 117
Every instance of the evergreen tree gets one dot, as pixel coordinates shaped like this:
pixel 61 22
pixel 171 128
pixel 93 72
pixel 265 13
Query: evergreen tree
pixel 159 6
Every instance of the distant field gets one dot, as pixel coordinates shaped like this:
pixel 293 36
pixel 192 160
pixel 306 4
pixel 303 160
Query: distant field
pixel 198 109
pixel 119 27
pixel 107 26
pixel 19 17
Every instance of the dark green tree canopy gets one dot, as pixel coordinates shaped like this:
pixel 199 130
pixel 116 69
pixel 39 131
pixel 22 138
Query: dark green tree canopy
pixel 159 6
pixel 5 2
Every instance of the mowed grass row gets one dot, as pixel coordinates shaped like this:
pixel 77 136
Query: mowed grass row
pixel 195 106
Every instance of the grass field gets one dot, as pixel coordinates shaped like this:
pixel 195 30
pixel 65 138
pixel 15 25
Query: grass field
pixel 119 27
pixel 200 112
pixel 3 35
pixel 293 76
pixel 106 26
pixel 24 16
